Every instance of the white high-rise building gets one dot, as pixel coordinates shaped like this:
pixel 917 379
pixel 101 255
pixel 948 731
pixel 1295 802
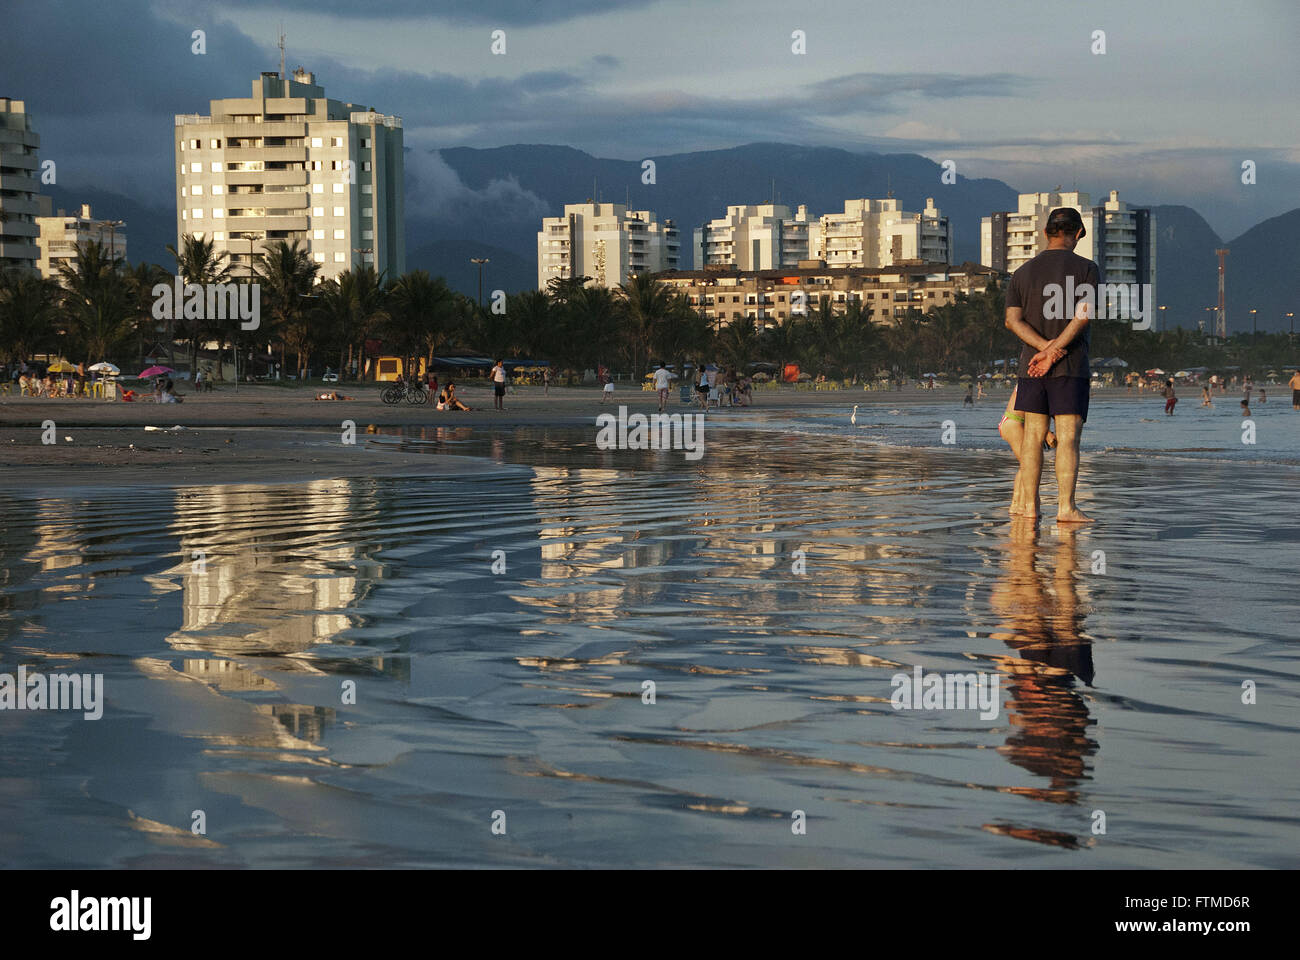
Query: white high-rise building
pixel 61 233
pixel 604 241
pixel 875 233
pixel 761 236
pixel 1120 238
pixel 19 187
pixel 289 164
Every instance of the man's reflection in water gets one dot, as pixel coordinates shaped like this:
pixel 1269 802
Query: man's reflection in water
pixel 1041 621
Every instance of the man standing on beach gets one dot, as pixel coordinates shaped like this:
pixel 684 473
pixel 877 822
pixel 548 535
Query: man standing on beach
pixel 662 380
pixel 499 385
pixel 1049 305
pixel 1294 384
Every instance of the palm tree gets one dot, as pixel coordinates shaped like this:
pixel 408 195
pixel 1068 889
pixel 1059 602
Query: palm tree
pixel 780 342
pixel 28 307
pixel 420 316
pixel 196 262
pixel 369 300
pixel 140 281
pixel 287 274
pixel 643 305
pixel 96 298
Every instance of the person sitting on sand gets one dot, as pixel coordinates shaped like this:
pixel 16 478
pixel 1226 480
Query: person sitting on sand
pixel 168 394
pixel 1012 430
pixel 447 399
pixel 333 395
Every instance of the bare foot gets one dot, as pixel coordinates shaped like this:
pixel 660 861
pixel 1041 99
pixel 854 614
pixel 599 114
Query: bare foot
pixel 1072 516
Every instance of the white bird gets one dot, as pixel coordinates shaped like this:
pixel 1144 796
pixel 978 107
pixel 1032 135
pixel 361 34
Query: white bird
pixel 854 418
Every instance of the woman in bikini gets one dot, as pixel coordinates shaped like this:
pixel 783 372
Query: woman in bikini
pixel 447 399
pixel 1012 430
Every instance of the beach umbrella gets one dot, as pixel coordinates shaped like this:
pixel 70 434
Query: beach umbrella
pixel 60 366
pixel 103 367
pixel 154 371
pixel 1155 372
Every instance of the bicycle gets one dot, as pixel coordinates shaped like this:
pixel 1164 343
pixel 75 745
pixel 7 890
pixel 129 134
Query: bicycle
pixel 409 390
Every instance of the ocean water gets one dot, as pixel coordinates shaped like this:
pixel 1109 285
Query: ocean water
pixel 499 630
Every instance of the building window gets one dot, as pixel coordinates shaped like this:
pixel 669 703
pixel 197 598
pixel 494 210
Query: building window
pixel 216 167
pixel 365 165
pixel 318 188
pixel 367 211
pixel 318 234
pixel 319 257
pixel 215 144
pixel 339 258
pixel 340 234
pixel 197 213
pixel 184 191
pixel 366 142
pixel 314 165
pixel 197 191
pixel 218 213
pixel 338 188
pixel 219 236
pixel 318 211
pixel 194 144
pixel 366 188
pixel 336 141
pixel 195 168
pixel 316 142
pixel 367 234
pixel 339 212
pixel 218 189
pixel 185 214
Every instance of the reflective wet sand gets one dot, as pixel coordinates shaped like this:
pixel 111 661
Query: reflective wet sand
pixel 769 592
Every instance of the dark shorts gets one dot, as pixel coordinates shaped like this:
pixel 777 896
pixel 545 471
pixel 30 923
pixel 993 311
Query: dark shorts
pixel 1295 397
pixel 1053 396
pixel 501 389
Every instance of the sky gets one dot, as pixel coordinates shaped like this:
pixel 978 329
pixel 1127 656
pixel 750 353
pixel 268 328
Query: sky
pixel 1185 92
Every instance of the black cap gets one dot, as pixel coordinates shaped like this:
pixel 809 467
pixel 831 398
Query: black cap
pixel 1067 219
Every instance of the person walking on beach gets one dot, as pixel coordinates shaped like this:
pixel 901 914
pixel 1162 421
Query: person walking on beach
pixel 1054 374
pixel 498 377
pixel 970 397
pixel 1294 384
pixel 1171 398
pixel 1205 397
pixel 662 379
pixel 546 381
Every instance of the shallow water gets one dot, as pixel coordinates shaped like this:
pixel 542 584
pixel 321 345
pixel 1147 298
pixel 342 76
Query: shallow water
pixel 770 591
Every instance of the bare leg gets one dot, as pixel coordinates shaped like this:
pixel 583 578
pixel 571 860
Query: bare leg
pixel 1031 462
pixel 1069 428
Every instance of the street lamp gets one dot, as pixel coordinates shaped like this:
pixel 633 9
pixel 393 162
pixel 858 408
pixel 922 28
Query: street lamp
pixel 480 261
pixel 1291 317
pixel 112 236
pixel 1252 323
pixel 1160 322
pixel 363 251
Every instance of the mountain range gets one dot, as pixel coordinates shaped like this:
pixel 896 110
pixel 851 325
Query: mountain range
pixel 464 202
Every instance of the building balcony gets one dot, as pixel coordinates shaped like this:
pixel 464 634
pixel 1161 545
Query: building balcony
pixel 279 154
pixel 267 177
pixel 258 224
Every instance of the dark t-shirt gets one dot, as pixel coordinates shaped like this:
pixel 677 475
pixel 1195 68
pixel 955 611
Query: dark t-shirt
pixel 1030 289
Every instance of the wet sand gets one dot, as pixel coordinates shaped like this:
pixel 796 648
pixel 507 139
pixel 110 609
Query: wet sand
pixel 519 687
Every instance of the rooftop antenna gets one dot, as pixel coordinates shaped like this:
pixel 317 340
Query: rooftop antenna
pixel 281 45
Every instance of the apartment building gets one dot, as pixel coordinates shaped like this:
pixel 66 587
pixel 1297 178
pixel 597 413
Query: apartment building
pixel 769 296
pixel 604 241
pixel 61 232
pixel 1120 238
pixel 288 163
pixel 762 236
pixel 19 186
pixel 876 233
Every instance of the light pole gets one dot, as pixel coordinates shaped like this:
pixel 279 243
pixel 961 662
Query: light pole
pixel 112 236
pixel 1160 323
pixel 480 261
pixel 1253 331
pixel 1291 317
pixel 363 251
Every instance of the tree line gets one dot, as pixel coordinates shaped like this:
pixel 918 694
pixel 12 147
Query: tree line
pixel 101 308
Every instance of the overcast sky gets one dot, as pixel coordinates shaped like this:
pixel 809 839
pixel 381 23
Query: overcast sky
pixel 1185 92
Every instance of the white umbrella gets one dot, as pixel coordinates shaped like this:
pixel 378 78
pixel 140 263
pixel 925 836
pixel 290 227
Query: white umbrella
pixel 104 367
